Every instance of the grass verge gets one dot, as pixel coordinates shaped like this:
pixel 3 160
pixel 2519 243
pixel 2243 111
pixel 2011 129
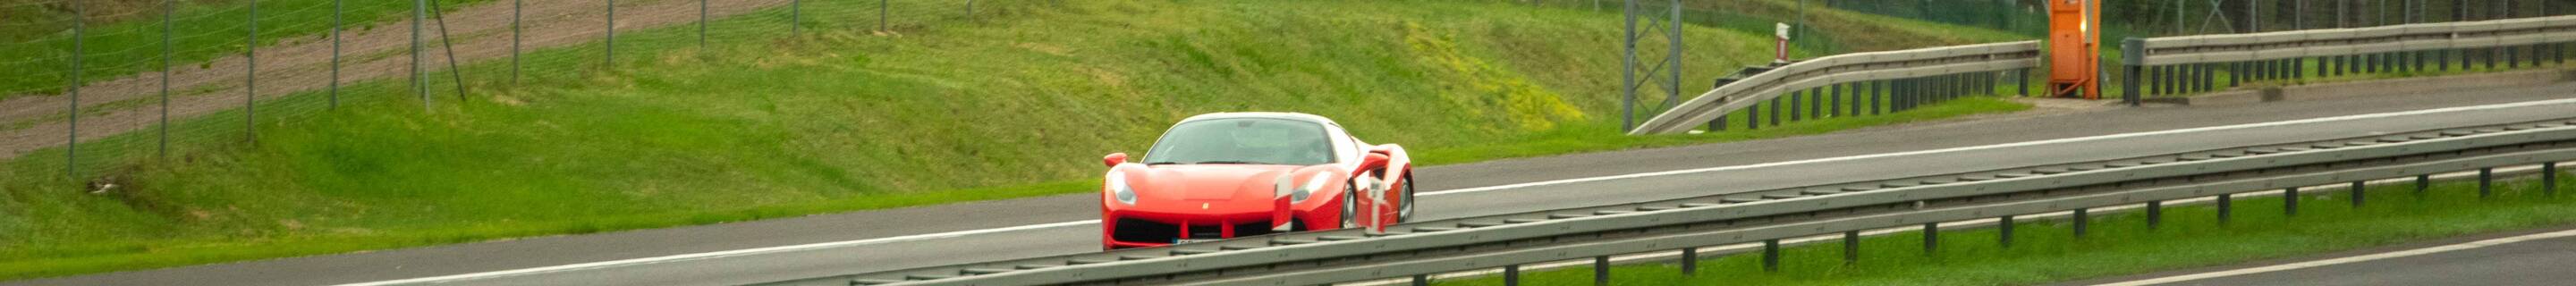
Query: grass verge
pixel 2120 244
pixel 845 119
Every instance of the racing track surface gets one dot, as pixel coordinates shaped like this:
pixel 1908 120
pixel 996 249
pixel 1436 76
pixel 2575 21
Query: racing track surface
pixel 927 236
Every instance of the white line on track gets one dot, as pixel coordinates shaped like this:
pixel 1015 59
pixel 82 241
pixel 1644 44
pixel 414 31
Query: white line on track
pixel 2309 264
pixel 711 255
pixel 849 243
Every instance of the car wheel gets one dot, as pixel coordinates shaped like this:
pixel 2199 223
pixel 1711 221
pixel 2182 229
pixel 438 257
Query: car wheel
pixel 1406 214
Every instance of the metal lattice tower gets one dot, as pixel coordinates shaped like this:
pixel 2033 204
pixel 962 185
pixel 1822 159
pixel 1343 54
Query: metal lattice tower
pixel 1663 74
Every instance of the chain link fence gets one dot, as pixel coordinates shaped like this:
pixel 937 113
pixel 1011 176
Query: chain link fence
pixel 101 86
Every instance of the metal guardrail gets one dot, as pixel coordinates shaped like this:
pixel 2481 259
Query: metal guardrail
pixel 1839 69
pixel 2178 65
pixel 1501 241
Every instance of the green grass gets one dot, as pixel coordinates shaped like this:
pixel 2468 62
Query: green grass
pixel 125 37
pixel 2120 244
pixel 841 120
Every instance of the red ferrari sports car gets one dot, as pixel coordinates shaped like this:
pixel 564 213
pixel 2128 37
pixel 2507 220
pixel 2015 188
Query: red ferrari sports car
pixel 1227 175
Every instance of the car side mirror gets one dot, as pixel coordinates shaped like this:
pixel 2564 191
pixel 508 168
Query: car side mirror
pixel 1113 159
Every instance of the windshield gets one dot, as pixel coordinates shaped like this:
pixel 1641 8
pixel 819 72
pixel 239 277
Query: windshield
pixel 1243 141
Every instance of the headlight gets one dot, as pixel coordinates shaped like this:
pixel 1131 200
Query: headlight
pixel 1312 185
pixel 1118 189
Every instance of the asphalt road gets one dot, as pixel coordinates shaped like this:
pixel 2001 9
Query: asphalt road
pixel 923 236
pixel 2529 262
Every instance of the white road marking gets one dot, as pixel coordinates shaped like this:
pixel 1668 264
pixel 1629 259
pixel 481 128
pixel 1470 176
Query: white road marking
pixel 802 247
pixel 712 255
pixel 2309 264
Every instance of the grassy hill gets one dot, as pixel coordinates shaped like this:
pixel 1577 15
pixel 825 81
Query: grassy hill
pixel 1017 105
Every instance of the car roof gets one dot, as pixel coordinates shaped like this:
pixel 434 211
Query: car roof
pixel 1267 115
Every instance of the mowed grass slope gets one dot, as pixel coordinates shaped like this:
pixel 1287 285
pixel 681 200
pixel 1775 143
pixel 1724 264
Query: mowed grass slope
pixel 1020 104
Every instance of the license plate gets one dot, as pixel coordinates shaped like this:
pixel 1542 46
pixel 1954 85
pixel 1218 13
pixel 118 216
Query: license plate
pixel 1183 241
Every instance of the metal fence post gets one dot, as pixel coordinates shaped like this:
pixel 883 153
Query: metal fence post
pixel 2133 51
pixel 71 137
pixel 444 41
pixel 419 85
pixel 702 24
pixel 795 13
pixel 2358 190
pixel 250 82
pixel 1512 275
pixel 514 40
pixel 1628 72
pixel 881 15
pixel 169 9
pixel 335 53
pixel 608 59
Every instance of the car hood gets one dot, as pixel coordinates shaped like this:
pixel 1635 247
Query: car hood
pixel 1214 182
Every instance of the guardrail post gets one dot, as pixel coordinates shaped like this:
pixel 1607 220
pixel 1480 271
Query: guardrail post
pixel 1877 97
pixel 2235 74
pixel 1771 255
pixel 1421 280
pixel 2208 77
pixel 1512 275
pixel 1775 110
pixel 1794 97
pixel 1690 261
pixel 1834 100
pixel 1816 103
pixel 2223 203
pixel 2132 52
pixel 2422 182
pixel 2358 190
pixel 2023 82
pixel 1753 116
pixel 1601 271
pixel 1931 238
pixel 2003 232
pixel 2549 178
pixel 2155 214
pixel 1851 247
pixel 2486 182
pixel 2080 218
pixel 2290 202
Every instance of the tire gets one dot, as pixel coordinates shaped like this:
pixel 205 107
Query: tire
pixel 1405 215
